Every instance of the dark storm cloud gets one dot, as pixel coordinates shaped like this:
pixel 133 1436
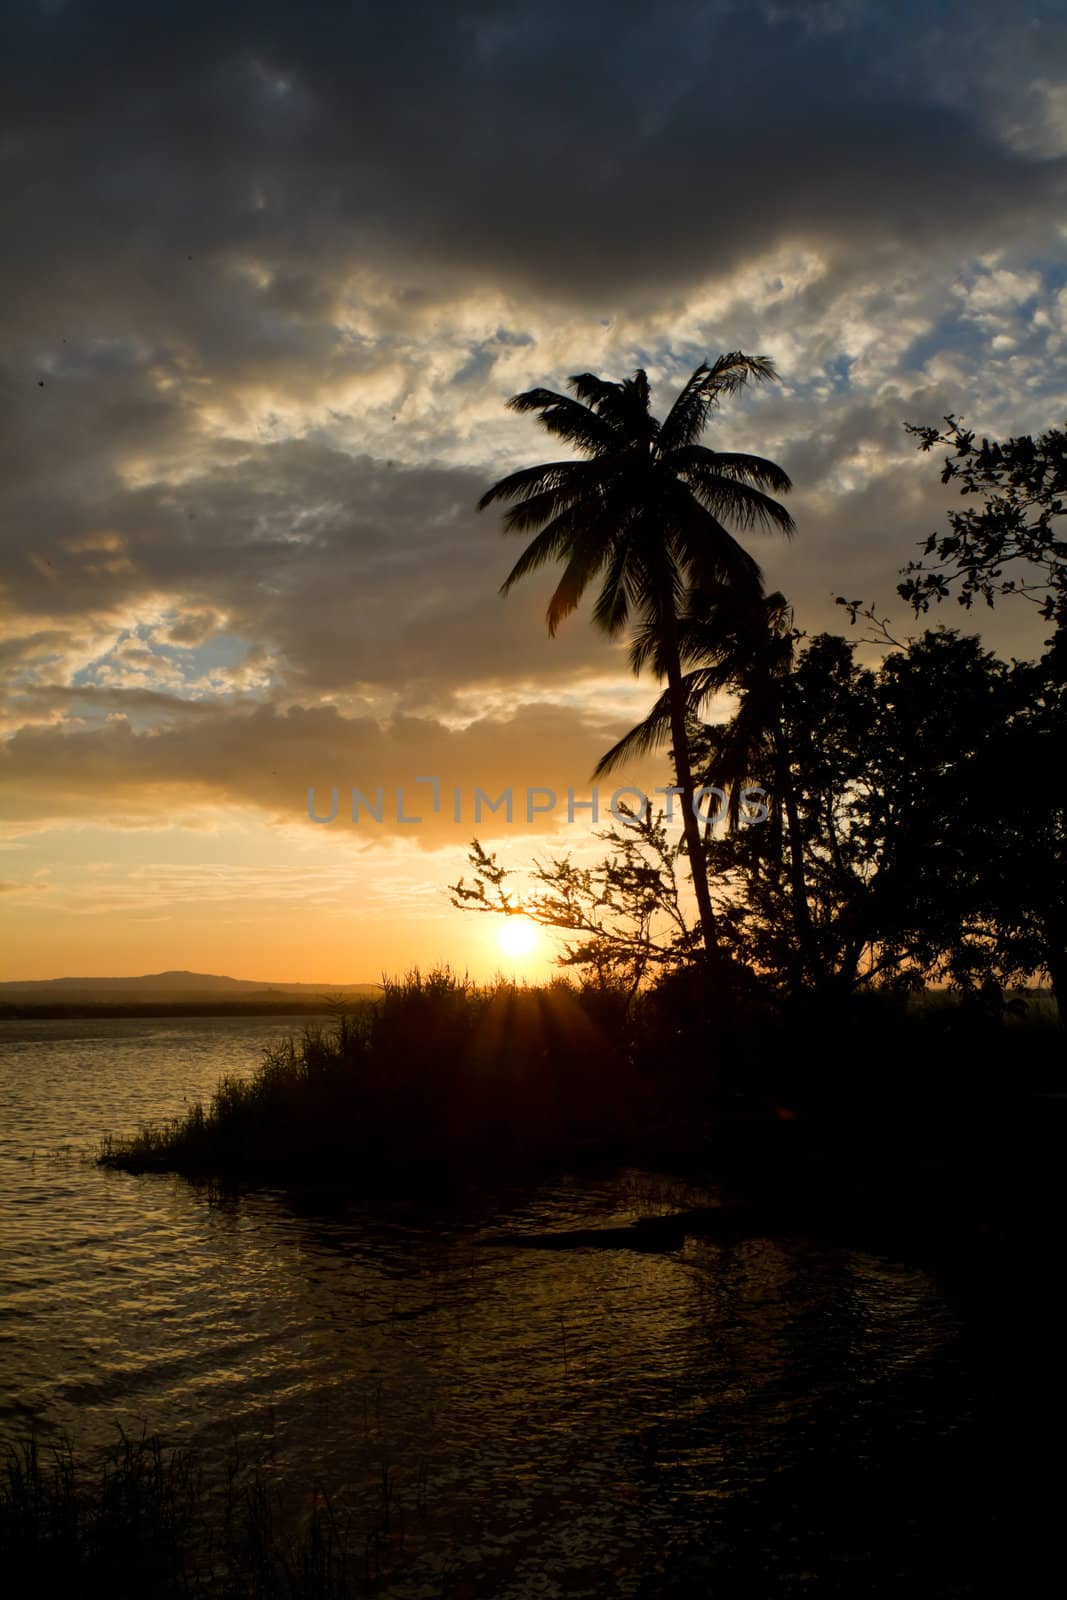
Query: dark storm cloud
pixel 198 196
pixel 267 761
pixel 602 154
pixel 345 571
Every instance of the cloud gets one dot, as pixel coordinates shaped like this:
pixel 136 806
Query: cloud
pixel 272 283
pixel 600 156
pixel 267 761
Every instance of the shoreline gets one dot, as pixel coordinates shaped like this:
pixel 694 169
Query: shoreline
pixel 116 1011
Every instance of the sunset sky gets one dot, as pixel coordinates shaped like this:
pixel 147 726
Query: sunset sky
pixel 270 275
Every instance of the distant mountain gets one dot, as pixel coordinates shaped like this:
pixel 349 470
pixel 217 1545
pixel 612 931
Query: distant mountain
pixel 181 986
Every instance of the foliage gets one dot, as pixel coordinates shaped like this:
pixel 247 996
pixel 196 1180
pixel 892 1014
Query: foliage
pixel 913 835
pixel 440 1078
pixel 1008 546
pixel 928 848
pixel 624 914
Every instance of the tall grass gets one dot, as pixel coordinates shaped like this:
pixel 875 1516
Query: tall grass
pixel 443 1078
pixel 141 1521
pixel 440 1074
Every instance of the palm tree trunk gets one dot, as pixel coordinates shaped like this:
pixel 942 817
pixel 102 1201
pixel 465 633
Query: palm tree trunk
pixel 683 770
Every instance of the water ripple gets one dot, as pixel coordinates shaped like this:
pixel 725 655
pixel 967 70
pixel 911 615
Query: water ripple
pixel 621 1387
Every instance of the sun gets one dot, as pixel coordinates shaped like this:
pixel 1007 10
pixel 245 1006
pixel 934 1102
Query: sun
pixel 518 937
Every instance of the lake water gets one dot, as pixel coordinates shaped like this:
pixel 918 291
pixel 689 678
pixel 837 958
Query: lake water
pixel 541 1418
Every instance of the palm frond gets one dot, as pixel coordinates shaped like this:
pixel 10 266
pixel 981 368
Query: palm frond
pixel 653 731
pixel 551 475
pixel 648 735
pixel 779 613
pixel 740 502
pixel 537 400
pixel 646 647
pixel 584 556
pixel 616 596
pixel 706 550
pixel 531 514
pixel 590 389
pixel 549 545
pixel 624 406
pixel 736 464
pixel 686 418
pixel 709 383
pixel 567 419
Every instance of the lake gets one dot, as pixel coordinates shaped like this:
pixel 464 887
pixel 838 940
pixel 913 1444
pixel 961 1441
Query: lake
pixel 544 1422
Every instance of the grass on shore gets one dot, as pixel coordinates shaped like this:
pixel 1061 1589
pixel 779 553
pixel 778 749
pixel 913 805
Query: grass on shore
pixel 439 1073
pixel 442 1077
pixel 140 1520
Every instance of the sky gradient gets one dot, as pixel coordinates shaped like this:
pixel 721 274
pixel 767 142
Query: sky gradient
pixel 272 274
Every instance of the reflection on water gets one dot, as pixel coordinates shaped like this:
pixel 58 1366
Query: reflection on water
pixel 553 1412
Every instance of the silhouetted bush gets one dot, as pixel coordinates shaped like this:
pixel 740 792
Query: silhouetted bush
pixel 443 1079
pixel 439 1075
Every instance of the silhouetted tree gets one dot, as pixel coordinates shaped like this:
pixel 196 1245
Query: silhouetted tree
pixel 1024 879
pixel 914 834
pixel 793 878
pixel 1011 544
pixel 927 835
pixel 623 916
pixel 734 643
pixel 646 511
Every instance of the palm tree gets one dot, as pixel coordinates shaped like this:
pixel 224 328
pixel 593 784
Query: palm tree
pixel 728 642
pixel 646 509
pixel 731 642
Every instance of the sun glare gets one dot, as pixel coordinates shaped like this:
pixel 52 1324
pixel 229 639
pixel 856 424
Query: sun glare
pixel 518 937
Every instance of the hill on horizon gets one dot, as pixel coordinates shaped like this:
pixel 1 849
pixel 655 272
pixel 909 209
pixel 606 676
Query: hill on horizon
pixel 173 985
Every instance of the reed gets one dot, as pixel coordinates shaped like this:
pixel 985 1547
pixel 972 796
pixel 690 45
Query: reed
pixel 140 1520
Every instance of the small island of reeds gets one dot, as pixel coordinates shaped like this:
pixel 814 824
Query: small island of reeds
pixel 903 1104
